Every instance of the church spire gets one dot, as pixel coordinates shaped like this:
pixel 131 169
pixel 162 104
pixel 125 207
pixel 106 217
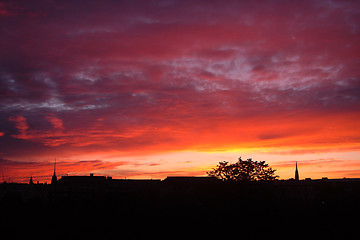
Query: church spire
pixel 296 172
pixel 31 182
pixel 54 178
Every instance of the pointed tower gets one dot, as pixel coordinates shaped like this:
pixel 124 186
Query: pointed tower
pixel 296 173
pixel 31 181
pixel 54 178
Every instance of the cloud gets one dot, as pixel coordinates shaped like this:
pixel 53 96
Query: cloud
pixel 6 10
pixel 144 77
pixel 343 173
pixel 56 122
pixel 21 125
pixel 313 162
pixel 317 168
pixel 20 171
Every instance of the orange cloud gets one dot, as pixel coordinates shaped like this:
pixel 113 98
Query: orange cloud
pixel 56 122
pixel 21 125
pixel 42 171
pixel 281 134
pixel 318 168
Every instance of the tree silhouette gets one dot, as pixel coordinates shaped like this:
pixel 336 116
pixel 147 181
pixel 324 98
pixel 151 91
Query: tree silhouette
pixel 243 170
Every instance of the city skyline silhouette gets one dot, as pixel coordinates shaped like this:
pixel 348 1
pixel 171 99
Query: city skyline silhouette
pixel 98 205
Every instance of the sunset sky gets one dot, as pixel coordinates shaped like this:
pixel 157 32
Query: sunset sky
pixel 149 89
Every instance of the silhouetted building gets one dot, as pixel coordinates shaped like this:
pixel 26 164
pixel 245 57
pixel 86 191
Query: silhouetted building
pixel 83 180
pixel 31 181
pixel 92 181
pixel 296 173
pixel 54 178
pixel 190 179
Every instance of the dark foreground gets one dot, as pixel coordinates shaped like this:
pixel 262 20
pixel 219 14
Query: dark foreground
pixel 180 208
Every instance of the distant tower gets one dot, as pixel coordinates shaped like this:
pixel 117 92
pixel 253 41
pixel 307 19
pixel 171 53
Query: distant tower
pixel 54 178
pixel 296 172
pixel 31 181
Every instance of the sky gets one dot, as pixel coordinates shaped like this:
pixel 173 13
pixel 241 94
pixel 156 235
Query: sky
pixel 149 89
